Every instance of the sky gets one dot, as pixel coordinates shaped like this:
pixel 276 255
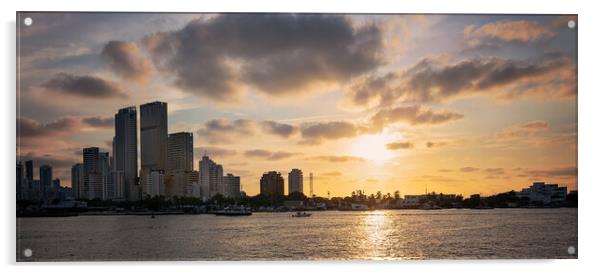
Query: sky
pixel 459 104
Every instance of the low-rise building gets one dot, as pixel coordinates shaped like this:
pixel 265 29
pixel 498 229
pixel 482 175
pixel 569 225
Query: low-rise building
pixel 542 193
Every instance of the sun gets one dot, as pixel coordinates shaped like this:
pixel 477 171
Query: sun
pixel 373 147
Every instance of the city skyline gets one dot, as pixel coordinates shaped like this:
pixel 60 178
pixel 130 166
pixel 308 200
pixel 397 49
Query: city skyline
pixel 471 104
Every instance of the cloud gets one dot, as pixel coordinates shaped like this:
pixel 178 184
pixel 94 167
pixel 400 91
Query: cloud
pixel 279 129
pixel 495 171
pixel 336 159
pixel 83 86
pixel 430 144
pixel 510 31
pixel 552 75
pixel 413 115
pixel 469 169
pixel 100 122
pixel 400 145
pixel 331 174
pixel 314 133
pixel 550 173
pixel 29 128
pixel 56 161
pixel 226 131
pixel 126 60
pixel 521 130
pixel 269 155
pixel 276 54
pixel 214 151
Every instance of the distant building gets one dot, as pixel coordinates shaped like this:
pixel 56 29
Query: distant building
pixel 231 186
pixel 180 158
pixel 271 184
pixel 196 190
pixel 295 181
pixel 93 188
pixel 125 154
pixel 45 180
pixel 20 180
pixel 77 181
pixel 29 170
pixel 108 189
pixel 543 193
pixel 153 140
pixel 210 177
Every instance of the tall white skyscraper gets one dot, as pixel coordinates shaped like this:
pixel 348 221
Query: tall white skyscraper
pixel 153 140
pixel 125 153
pixel 295 181
pixel 210 177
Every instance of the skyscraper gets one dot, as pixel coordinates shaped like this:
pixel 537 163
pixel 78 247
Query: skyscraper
pixel 108 191
pixel 20 180
pixel 180 152
pixel 153 140
pixel 271 184
pixel 125 153
pixel 210 177
pixel 45 179
pixel 92 174
pixel 295 181
pixel 29 170
pixel 77 181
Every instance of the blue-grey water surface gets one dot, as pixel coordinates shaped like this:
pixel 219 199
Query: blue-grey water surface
pixel 327 235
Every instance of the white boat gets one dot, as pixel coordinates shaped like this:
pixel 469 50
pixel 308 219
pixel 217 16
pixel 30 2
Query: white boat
pixel 301 214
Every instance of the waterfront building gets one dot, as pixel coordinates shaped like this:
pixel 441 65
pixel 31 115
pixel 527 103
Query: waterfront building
pixel 196 190
pixel 542 193
pixel 20 180
pixel 180 183
pixel 153 140
pixel 125 153
pixel 180 157
pixel 271 184
pixel 210 177
pixel 77 181
pixel 295 181
pixel 108 190
pixel 92 173
pixel 231 186
pixel 155 183
pixel 45 180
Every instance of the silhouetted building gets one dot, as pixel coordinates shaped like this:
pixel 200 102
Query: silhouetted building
pixel 108 190
pixel 92 174
pixel 29 170
pixel 155 183
pixel 77 181
pixel 20 180
pixel 272 184
pixel 295 181
pixel 231 186
pixel 125 154
pixel 45 180
pixel 210 177
pixel 153 140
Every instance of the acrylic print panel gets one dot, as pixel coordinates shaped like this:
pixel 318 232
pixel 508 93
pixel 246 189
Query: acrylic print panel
pixel 194 136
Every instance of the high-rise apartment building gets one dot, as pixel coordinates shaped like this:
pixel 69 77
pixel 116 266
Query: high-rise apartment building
pixel 125 154
pixel 295 181
pixel 271 184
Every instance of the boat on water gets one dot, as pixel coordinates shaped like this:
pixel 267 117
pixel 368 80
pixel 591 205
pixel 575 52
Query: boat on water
pixel 238 211
pixel 301 214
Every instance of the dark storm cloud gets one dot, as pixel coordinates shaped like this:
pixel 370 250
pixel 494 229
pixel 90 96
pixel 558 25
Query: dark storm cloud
pixel 280 129
pixel 83 86
pixel 431 80
pixel 413 115
pixel 101 122
pixel 269 155
pixel 400 145
pixel 275 53
pixel 126 60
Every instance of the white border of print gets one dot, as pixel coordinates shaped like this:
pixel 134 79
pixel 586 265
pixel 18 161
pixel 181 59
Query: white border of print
pixel 589 133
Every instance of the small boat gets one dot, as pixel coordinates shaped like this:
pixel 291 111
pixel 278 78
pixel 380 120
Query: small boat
pixel 241 211
pixel 301 214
